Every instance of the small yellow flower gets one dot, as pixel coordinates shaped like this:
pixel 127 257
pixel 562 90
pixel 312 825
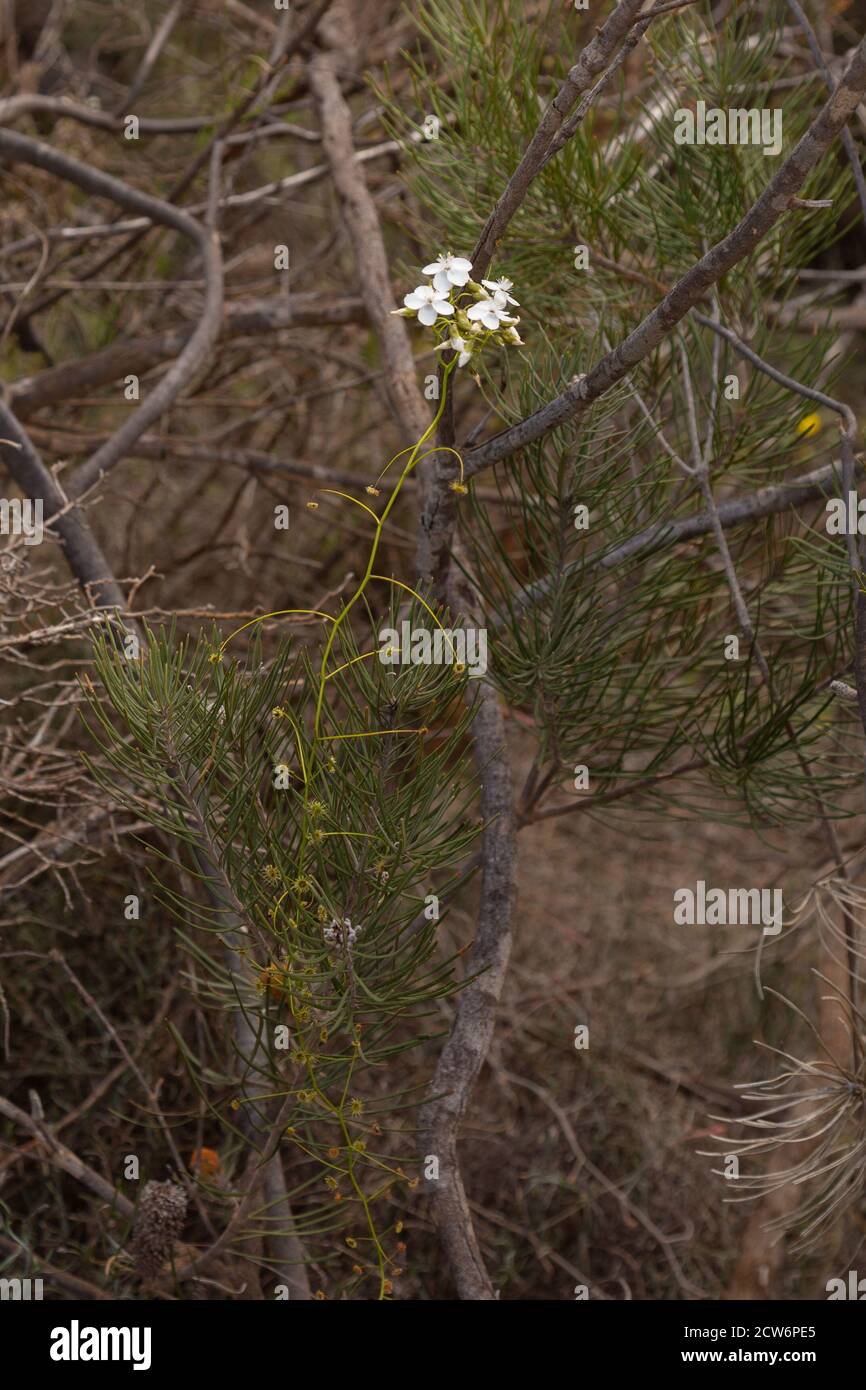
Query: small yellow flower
pixel 460 488
pixel 809 426
pixel 356 1107
pixel 351 1242
pixel 320 1294
pixel 373 491
pixel 271 873
pixel 313 506
pixel 215 657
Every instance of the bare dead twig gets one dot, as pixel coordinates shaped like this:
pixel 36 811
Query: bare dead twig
pixel 197 349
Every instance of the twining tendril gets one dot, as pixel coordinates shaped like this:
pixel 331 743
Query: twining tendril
pixel 464 317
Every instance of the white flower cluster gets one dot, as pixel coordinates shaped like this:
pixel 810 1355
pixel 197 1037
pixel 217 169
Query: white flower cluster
pixel 463 327
pixel 339 933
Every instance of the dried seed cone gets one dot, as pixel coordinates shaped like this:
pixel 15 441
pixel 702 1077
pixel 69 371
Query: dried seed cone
pixel 158 1223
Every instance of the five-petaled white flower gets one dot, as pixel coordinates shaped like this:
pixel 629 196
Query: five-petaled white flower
pixel 459 345
pixel 501 287
pixel 491 312
pixel 448 271
pixel 429 303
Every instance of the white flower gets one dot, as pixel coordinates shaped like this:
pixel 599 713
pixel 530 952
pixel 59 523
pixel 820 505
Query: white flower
pixel 459 345
pixel 429 303
pixel 448 271
pixel 501 289
pixel 502 300
pixel 491 312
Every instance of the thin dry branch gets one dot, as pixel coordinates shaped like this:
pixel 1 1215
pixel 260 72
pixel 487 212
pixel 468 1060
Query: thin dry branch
pixel 361 221
pixel 139 355
pixel 83 553
pixel 463 1055
pixel 773 203
pixel 197 349
pixel 65 1159
pixel 595 57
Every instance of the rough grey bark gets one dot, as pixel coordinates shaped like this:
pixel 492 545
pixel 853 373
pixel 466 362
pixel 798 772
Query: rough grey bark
pixel 463 1055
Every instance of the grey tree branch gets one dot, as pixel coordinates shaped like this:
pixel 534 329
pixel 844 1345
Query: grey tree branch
pixel 160 38
pixel 83 553
pixel 64 1158
pixel 81 1287
pixel 362 225
pixel 440 512
pixel 261 1127
pixel 249 198
pixel 847 138
pixel 596 56
pixel 701 467
pixel 139 355
pixel 197 349
pixel 463 1055
pixel 767 501
pixel 689 289
pixel 32 103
